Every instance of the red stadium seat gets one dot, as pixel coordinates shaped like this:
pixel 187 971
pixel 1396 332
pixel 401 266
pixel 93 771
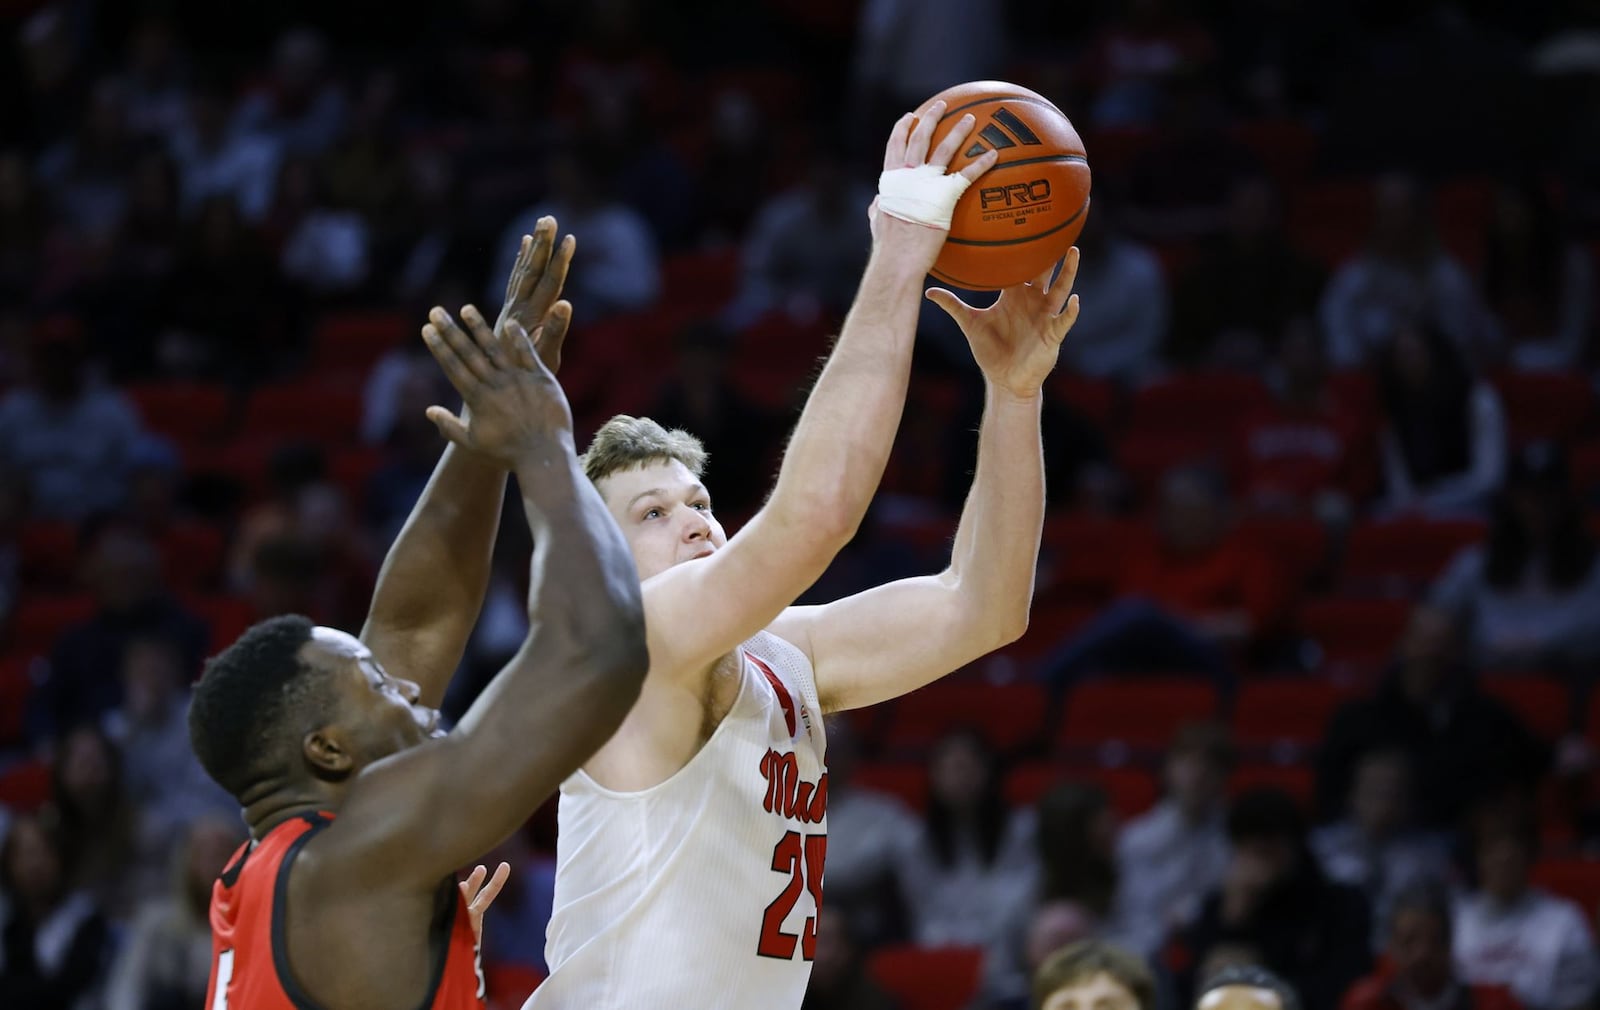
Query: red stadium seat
pixel 1212 402
pixel 1095 399
pixel 1138 711
pixel 1009 716
pixel 227 616
pixel 1296 780
pixel 39 620
pixel 509 985
pixel 705 281
pixel 327 415
pixel 193 553
pixel 775 358
pixel 352 468
pixel 25 787
pixel 1084 555
pixel 1461 212
pixel 351 342
pixel 1130 790
pixel 1586 470
pixel 1545 405
pixel 49 555
pixel 1577 880
pixel 1298 547
pixel 906 782
pixel 1286 147
pixel 1049 625
pixel 243 461
pixel 1330 220
pixel 1145 457
pixel 1291 711
pixel 1359 632
pixel 1403 555
pixel 1542 703
pixel 185 411
pixel 928 978
pixel 16 684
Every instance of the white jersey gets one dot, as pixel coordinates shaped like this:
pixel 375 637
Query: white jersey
pixel 702 891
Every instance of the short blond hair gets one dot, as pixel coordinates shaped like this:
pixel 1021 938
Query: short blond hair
pixel 627 443
pixel 1084 960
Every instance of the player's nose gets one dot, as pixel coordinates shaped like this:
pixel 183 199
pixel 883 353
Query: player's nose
pixel 696 526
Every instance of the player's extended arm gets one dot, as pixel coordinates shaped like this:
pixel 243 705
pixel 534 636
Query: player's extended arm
pixel 698 612
pixel 887 641
pixel 418 815
pixel 433 581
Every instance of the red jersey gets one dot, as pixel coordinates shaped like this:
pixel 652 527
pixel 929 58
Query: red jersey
pixel 249 950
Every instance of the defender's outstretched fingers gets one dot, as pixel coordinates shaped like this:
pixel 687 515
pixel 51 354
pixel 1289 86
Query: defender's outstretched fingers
pixel 549 339
pixel 460 376
pixel 483 334
pixel 466 348
pixel 952 143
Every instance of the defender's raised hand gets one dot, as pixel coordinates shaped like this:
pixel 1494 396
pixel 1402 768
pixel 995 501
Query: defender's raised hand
pixel 513 401
pixel 533 291
pixel 1017 339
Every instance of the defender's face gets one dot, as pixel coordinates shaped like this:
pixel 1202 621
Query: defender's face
pixel 665 514
pixel 1099 992
pixel 379 713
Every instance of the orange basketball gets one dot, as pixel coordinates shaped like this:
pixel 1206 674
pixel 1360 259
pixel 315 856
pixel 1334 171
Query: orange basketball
pixel 1024 213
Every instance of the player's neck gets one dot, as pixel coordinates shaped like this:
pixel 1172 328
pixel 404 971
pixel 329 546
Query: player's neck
pixel 268 811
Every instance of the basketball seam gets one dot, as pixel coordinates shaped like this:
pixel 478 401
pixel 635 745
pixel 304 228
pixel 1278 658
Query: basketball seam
pixel 1021 241
pixel 1081 159
pixel 1001 98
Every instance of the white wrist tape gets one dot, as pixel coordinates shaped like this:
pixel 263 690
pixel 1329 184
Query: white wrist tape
pixel 922 195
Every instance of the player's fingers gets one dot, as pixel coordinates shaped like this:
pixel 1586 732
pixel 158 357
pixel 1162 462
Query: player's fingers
pixel 491 890
pixel 982 164
pixel 474 881
pixel 1062 288
pixel 519 269
pixel 1067 318
pixel 519 345
pixel 950 146
pixel 444 353
pixel 894 152
pixel 954 307
pixel 551 338
pixel 484 336
pixel 554 276
pixel 450 426
pixel 466 348
pixel 917 144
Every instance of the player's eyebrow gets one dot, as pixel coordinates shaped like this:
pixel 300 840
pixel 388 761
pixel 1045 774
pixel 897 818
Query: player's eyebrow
pixel 645 494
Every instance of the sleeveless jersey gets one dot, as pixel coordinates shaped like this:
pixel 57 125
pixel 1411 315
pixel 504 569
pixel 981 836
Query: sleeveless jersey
pixel 701 891
pixel 250 952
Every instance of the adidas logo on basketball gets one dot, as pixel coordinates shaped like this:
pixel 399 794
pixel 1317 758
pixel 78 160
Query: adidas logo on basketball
pixel 999 139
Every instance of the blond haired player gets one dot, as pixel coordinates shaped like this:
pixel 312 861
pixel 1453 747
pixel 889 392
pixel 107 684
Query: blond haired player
pixel 692 845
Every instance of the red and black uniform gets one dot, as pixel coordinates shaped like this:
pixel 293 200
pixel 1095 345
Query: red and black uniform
pixel 250 950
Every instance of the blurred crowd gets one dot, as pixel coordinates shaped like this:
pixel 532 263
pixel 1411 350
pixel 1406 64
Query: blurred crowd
pixel 1323 453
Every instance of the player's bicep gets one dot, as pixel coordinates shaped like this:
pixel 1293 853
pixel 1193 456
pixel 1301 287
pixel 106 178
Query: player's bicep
pixel 887 641
pixel 698 611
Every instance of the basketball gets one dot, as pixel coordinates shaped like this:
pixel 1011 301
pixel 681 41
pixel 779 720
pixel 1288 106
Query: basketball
pixel 1024 213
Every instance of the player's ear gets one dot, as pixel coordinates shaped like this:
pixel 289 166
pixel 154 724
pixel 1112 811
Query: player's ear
pixel 327 754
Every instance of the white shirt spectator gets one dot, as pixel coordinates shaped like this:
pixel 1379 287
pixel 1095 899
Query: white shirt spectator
pixel 1465 494
pixel 1539 947
pixel 327 251
pixel 968 903
pixel 75 454
pixel 244 166
pixel 1165 868
pixel 1380 870
pixel 1528 622
pixel 1369 298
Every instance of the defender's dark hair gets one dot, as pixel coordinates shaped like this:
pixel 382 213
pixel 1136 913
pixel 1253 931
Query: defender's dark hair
pixel 248 698
pixel 1254 977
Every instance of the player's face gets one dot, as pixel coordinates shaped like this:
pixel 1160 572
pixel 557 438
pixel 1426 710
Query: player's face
pixel 1240 997
pixel 1100 992
pixel 381 711
pixel 665 513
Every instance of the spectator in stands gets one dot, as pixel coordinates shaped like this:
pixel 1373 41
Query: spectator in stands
pixel 412 447
pixel 522 909
pixel 736 170
pixel 1538 281
pixel 1076 837
pixel 1510 933
pixel 1421 973
pixel 156 97
pixel 1120 330
pixel 1188 596
pixel 366 171
pixel 86 175
pixel 868 833
pixel 70 437
pixel 619 269
pixel 13 518
pixel 1235 304
pixel 1308 450
pixel 969 872
pixel 122 568
pixel 164 780
pixel 326 243
pixel 1136 54
pixel 1275 898
pixel 1402 278
pixel 1443 439
pixel 24 226
pixel 1171 857
pixel 906 51
pixel 99 823
pixel 165 961
pixel 215 161
pixel 294 469
pixel 839 979
pixel 1246 987
pixel 301 106
pixel 650 175
pixel 1531 592
pixel 54 942
pixel 230 305
pixel 1374 847
pixel 699 397
pixel 1461 742
pixel 1093 974
pixel 807 245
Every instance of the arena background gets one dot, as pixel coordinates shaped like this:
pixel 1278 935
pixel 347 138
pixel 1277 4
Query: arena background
pixel 1323 452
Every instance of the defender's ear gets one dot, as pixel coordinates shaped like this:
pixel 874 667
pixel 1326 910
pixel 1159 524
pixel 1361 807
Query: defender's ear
pixel 326 754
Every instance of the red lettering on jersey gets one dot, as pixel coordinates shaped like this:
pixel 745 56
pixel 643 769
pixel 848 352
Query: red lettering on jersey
pixel 789 795
pixel 784 698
